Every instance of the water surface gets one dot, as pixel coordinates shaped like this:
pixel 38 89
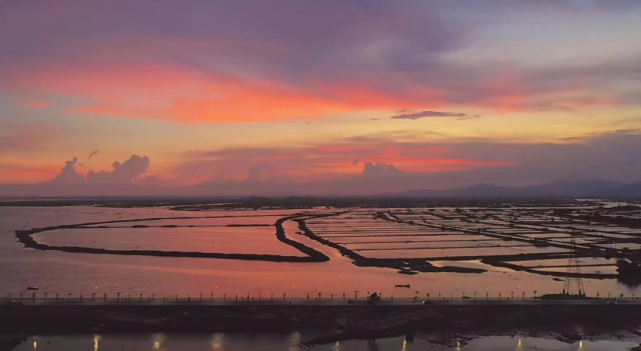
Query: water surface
pixel 57 272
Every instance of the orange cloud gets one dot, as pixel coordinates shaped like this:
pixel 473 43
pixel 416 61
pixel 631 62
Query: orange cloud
pixel 341 149
pixel 18 173
pixel 188 96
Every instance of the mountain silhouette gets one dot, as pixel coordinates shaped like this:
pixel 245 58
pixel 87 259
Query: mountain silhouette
pixel 567 188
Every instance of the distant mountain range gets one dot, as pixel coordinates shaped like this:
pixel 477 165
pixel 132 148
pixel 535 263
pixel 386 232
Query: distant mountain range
pixel 569 188
pixel 574 188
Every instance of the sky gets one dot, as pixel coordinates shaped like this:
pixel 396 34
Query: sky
pixel 207 97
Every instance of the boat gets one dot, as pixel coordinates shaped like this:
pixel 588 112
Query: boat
pixel 407 286
pixel 32 288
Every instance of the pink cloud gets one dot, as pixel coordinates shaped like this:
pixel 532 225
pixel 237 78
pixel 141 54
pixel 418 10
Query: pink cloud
pixel 37 103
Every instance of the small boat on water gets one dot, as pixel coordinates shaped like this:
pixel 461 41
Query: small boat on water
pixel 32 288
pixel 407 286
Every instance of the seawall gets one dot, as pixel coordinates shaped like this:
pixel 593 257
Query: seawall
pixel 337 321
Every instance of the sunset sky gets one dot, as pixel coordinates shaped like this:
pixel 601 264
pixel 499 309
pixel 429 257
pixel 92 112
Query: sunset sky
pixel 315 97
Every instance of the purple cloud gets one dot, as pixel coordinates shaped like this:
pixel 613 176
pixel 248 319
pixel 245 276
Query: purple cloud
pixel 68 174
pixel 122 173
pixel 92 154
pixel 431 114
pixel 339 52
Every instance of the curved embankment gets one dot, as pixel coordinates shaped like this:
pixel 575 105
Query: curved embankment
pixel 317 256
pixel 25 237
pixel 405 266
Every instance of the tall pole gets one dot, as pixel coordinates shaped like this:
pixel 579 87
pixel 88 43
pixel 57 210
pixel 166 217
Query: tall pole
pixel 573 279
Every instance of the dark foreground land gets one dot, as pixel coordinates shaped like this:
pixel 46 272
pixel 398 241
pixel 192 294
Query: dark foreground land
pixel 337 322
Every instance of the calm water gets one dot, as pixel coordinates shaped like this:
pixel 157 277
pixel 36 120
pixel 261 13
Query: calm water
pixel 245 240
pixel 271 342
pixel 63 273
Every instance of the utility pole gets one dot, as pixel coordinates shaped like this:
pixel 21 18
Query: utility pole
pixel 573 279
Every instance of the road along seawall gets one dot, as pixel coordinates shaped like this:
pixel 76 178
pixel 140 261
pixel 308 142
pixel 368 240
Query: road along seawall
pixel 337 322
